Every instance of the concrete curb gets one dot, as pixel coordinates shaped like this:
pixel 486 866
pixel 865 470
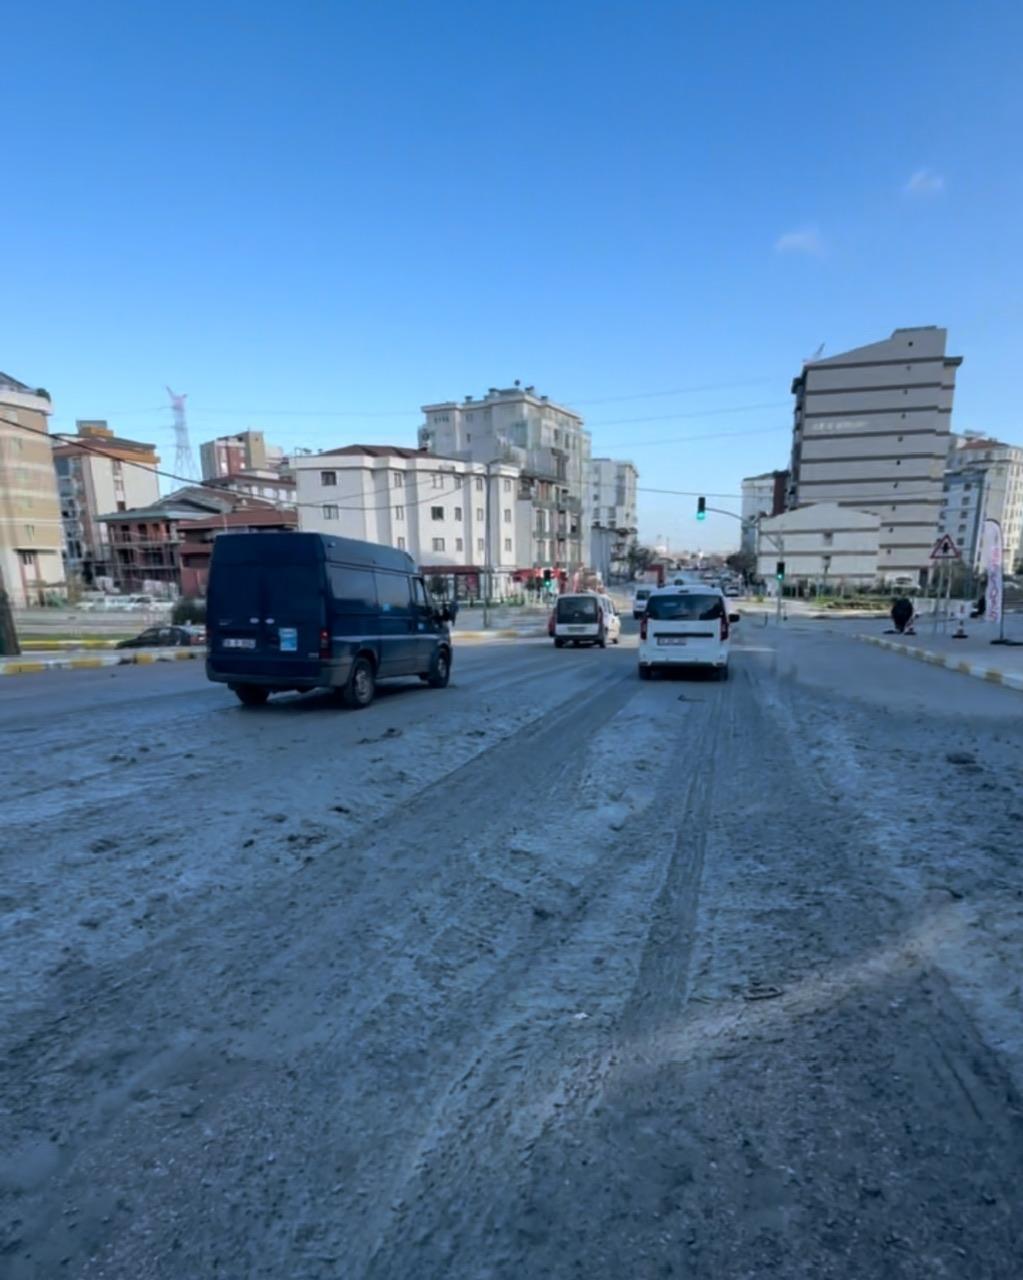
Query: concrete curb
pixel 141 657
pixel 124 658
pixel 979 670
pixel 41 642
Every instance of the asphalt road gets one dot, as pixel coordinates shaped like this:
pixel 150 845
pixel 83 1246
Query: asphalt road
pixel 548 974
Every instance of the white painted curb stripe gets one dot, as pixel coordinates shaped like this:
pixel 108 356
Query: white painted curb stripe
pixel 979 670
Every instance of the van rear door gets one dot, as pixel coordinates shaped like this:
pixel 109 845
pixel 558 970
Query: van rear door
pixel 689 626
pixel 266 619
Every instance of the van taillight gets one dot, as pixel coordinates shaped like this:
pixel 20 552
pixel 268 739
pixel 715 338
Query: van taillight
pixel 324 643
pixel 724 626
pixel 642 628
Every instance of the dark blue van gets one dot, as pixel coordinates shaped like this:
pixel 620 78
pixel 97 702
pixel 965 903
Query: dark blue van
pixel 296 611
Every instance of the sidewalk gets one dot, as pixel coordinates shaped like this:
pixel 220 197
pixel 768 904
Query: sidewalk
pixel 975 656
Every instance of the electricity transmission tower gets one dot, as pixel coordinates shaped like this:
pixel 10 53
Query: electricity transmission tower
pixel 184 459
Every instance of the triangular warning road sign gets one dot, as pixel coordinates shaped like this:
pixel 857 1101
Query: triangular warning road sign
pixel 945 549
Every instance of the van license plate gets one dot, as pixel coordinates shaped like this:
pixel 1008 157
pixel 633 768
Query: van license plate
pixel 289 639
pixel 235 642
pixel 575 630
pixel 671 640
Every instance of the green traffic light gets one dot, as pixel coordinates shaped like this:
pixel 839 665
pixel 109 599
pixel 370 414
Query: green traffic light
pixel 701 515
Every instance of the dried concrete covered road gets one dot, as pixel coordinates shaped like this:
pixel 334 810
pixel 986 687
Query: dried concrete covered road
pixel 550 974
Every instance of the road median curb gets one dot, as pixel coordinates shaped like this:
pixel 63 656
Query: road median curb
pixel 978 670
pixel 34 666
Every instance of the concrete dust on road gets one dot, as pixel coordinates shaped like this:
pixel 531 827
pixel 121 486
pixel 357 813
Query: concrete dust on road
pixel 294 994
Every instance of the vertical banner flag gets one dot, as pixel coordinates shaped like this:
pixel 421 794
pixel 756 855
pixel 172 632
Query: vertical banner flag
pixel 993 565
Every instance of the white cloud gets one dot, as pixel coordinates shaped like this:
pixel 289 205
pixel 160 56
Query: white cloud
pixel 924 183
pixel 804 240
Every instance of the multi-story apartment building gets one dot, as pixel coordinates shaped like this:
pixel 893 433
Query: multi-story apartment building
pixel 549 447
pixel 276 486
pixel 245 451
pixel 437 509
pixel 871 432
pixel 31 564
pixel 984 481
pixel 762 495
pixel 614 516
pixel 819 544
pixel 98 473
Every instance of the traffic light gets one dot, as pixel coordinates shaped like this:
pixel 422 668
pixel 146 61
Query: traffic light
pixel 779 572
pixel 701 508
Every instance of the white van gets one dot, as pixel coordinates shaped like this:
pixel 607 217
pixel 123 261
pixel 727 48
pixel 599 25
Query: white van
pixel 686 627
pixel 584 619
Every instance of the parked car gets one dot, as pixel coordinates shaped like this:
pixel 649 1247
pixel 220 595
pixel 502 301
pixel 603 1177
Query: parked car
pixel 639 601
pixel 297 611
pixel 585 618
pixel 686 628
pixel 159 637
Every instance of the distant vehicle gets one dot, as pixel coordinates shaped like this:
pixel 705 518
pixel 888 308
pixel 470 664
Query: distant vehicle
pixel 688 627
pixel 653 576
pixel 732 590
pixel 297 611
pixel 585 619
pixel 639 601
pixel 159 637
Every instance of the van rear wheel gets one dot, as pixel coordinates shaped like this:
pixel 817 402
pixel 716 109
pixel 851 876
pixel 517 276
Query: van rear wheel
pixel 440 670
pixel 251 695
pixel 559 642
pixel 361 686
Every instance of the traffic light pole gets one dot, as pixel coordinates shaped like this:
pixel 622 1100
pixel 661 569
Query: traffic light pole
pixel 753 521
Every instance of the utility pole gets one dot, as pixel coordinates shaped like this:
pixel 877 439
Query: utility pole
pixel 9 646
pixel 486 551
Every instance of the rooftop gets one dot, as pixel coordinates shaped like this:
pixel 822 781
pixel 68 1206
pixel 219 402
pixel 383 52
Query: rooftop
pixel 376 451
pixel 254 516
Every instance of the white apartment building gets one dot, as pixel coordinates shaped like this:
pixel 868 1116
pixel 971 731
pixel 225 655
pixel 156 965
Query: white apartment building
pixel 99 473
pixel 761 495
pixel 614 515
pixel 547 444
pixel 31 538
pixel 823 543
pixel 871 432
pixel 434 508
pixel 984 481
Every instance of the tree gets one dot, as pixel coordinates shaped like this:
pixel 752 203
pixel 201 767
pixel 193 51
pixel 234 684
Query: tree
pixel 744 562
pixel 639 558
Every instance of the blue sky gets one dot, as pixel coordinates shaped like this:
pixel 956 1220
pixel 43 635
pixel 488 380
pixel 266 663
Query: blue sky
pixel 315 217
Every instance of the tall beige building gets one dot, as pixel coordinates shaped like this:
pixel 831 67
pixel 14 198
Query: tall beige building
pixel 872 432
pixel 31 563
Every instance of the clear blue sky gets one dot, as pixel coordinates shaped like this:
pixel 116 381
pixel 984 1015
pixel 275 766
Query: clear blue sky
pixel 314 217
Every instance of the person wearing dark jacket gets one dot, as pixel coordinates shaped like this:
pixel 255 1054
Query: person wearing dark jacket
pixel 902 615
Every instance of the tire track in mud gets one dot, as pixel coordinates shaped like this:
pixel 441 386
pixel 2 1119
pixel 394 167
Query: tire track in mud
pixel 280 960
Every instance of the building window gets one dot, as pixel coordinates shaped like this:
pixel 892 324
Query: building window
pixel 438 544
pixel 436 513
pixel 507 515
pixel 401 543
pixel 329 511
pixel 480 516
pixel 507 485
pixel 399 513
pixel 438 480
pixel 328 478
pixel 27 558
pixel 479 544
pixel 459 544
pixel 829 538
pixel 458 513
pixel 397 480
pixel 507 544
pixel 479 484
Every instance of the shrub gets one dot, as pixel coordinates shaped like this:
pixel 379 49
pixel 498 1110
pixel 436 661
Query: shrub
pixel 189 610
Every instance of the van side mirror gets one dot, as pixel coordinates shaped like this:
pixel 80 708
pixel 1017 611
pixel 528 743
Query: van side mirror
pixel 449 612
pixel 734 617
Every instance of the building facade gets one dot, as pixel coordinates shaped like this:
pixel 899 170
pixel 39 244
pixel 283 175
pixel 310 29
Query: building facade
pixel 615 526
pixel 762 495
pixel 822 544
pixel 437 509
pixel 275 486
pixel 871 432
pixel 97 473
pixel 549 447
pixel 31 536
pixel 145 542
pixel 984 481
pixel 245 451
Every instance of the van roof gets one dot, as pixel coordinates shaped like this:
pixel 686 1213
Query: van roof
pixel 292 548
